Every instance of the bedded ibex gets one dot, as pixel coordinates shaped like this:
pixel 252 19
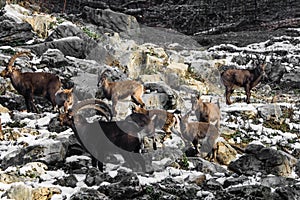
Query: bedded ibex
pixel 161 119
pixel 206 111
pixel 30 84
pixel 246 78
pixel 104 137
pixel 115 91
pixel 196 131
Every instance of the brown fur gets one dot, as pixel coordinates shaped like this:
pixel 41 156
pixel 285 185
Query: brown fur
pixel 206 111
pixel 246 78
pixel 30 84
pixel 196 131
pixel 64 98
pixel 115 91
pixel 161 119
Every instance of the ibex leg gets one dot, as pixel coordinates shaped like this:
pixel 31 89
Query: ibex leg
pixel 228 93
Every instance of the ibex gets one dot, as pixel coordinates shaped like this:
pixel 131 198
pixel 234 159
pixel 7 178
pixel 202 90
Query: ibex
pixel 110 136
pixel 120 90
pixel 64 98
pixel 196 131
pixel 206 111
pixel 161 119
pixel 246 78
pixel 30 84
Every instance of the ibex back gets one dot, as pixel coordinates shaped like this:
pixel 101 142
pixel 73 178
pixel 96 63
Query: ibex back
pixel 115 91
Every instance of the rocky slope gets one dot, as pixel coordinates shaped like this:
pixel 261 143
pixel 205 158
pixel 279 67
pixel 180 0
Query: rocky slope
pixel 258 151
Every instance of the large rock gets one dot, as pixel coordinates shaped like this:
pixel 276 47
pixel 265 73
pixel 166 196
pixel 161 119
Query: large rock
pixel 14 33
pixel 52 152
pixel 72 46
pixel 110 21
pixel 264 160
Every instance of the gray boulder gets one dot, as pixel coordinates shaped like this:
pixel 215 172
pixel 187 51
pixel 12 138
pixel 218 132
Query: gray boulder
pixel 264 160
pixel 52 152
pixel 14 33
pixel 109 21
pixel 88 193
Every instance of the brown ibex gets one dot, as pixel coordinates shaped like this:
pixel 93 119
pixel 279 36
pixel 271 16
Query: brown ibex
pixel 196 131
pixel 115 91
pixel 206 111
pixel 64 98
pixel 161 119
pixel 30 84
pixel 103 137
pixel 246 78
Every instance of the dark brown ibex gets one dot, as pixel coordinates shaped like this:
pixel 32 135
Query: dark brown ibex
pixel 206 111
pixel 115 91
pixel 103 137
pixel 196 131
pixel 30 84
pixel 246 78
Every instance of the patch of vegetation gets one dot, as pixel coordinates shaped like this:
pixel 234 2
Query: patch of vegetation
pixel 90 33
pixel 277 125
pixel 150 190
pixel 16 124
pixel 184 162
pixel 8 51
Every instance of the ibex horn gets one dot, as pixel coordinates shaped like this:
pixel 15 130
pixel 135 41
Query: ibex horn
pixel 14 57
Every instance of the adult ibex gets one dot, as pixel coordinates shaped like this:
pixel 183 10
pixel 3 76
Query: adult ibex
pixel 30 84
pixel 246 78
pixel 206 111
pixel 115 91
pixel 196 131
pixel 104 137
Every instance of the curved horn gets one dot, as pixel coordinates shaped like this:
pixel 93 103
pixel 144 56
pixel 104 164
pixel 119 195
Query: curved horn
pixel 97 104
pixel 14 57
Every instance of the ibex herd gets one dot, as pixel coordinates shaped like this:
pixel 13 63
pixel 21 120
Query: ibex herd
pixel 122 136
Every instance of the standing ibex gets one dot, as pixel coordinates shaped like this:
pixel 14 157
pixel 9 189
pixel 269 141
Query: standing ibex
pixel 115 91
pixel 196 131
pixel 30 84
pixel 161 119
pixel 246 78
pixel 206 111
pixel 103 137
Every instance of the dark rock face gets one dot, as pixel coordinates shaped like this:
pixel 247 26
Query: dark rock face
pixel 263 160
pixel 193 17
pixel 14 33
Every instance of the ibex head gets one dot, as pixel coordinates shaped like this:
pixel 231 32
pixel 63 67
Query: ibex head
pixel 69 118
pixel 7 72
pixel 102 77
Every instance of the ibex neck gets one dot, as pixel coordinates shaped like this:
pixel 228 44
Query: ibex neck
pixel 15 78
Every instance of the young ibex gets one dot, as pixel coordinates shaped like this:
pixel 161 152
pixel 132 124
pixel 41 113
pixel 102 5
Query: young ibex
pixel 30 84
pixel 196 131
pixel 110 136
pixel 161 119
pixel 120 90
pixel 206 111
pixel 64 98
pixel 246 78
